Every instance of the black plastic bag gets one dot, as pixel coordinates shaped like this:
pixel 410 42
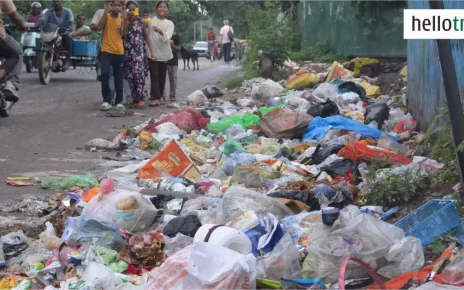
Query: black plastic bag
pixel 353 87
pixel 187 225
pixel 324 110
pixel 377 112
pixel 301 195
pixel 212 92
pixel 321 154
pixel 339 167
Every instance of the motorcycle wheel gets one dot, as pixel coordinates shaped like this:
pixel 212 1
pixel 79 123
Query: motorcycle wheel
pixel 45 69
pixel 28 64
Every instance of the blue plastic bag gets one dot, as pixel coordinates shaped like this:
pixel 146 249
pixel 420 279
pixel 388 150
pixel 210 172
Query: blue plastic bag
pixel 319 127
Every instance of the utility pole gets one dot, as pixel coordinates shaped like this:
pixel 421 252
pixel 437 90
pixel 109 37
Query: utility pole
pixel 201 30
pixel 453 97
pixel 194 32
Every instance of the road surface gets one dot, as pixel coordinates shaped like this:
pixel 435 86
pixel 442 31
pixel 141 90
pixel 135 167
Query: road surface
pixel 51 124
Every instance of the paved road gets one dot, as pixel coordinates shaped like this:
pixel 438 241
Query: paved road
pixel 51 122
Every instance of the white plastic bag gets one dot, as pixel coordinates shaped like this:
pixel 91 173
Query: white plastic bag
pixel 266 90
pixel 97 276
pixel 137 218
pixel 453 273
pixel 204 266
pixel 196 98
pixel 326 91
pixel 405 256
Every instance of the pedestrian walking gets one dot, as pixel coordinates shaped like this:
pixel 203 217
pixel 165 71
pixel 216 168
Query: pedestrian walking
pixel 160 33
pixel 136 62
pixel 112 52
pixel 173 64
pixel 226 33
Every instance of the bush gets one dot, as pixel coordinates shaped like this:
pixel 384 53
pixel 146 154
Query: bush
pixel 319 53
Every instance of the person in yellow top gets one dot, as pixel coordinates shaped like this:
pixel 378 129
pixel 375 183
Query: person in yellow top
pixel 112 52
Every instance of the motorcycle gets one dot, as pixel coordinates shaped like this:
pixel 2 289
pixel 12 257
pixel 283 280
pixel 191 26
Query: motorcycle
pixel 266 64
pixel 51 55
pixel 28 42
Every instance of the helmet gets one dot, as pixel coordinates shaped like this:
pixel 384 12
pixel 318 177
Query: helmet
pixel 36 5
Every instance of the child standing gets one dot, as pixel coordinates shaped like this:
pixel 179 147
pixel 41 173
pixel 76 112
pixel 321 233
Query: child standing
pixel 112 52
pixel 174 62
pixel 136 63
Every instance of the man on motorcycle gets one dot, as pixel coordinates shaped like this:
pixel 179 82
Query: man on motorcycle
pixel 63 18
pixel 36 13
pixel 12 51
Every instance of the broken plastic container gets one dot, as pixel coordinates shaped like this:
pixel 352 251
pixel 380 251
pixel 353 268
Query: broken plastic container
pixel 223 236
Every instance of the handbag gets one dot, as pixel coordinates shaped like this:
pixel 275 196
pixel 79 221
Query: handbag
pixel 230 34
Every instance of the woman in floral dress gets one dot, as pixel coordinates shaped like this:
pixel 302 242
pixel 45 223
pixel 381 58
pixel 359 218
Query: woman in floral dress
pixel 136 63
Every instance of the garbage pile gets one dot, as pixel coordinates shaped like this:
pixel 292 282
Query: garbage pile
pixel 264 192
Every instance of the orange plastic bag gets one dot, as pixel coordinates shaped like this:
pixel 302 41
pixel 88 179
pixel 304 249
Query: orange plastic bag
pixel 337 72
pixel 360 151
pixel 171 160
pixel 302 79
pixel 91 194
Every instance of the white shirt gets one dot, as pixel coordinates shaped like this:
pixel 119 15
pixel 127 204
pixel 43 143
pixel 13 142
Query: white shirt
pixel 161 43
pixel 80 30
pixel 224 33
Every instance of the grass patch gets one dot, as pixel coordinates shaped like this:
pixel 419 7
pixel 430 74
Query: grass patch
pixel 318 53
pixel 248 73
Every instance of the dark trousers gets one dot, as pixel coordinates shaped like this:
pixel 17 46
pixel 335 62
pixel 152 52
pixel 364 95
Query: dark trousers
pixel 67 43
pixel 115 62
pixel 227 47
pixel 158 72
pixel 12 51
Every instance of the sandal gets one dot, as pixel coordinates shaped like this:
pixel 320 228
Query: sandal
pixel 120 107
pixel 155 103
pixel 139 105
pixel 105 106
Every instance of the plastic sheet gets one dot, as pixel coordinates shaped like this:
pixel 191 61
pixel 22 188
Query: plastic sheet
pixel 326 91
pixel 66 182
pixel 221 126
pixel 405 256
pixel 360 151
pixel 186 225
pixel 282 124
pixel 323 110
pixel 319 127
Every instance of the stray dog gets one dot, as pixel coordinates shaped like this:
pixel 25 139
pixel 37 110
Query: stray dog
pixel 188 54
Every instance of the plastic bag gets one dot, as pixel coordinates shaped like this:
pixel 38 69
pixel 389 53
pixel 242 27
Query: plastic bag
pixel 326 91
pixel 389 144
pixel 174 245
pixel 454 271
pixel 303 196
pixel 238 198
pixel 266 110
pixel 319 127
pixel 302 225
pixel 355 234
pixel 168 130
pixel 283 261
pixel 66 182
pixel 282 124
pixel 83 230
pixel 212 92
pixel 187 119
pixel 337 72
pixel 100 143
pixel 253 175
pixel 339 198
pixel 97 276
pixel 302 79
pixel 405 126
pixel 405 256
pixel 235 130
pixel 186 225
pixel 360 151
pixel 204 266
pixel 323 110
pixel 266 90
pixel 196 98
pixel 221 126
pixel 231 146
pixel 378 113
pixel 126 209
pixel 371 90
pixel 339 167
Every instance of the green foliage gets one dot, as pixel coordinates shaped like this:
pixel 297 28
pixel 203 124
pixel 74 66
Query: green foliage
pixel 441 243
pixel 249 72
pixel 318 53
pixel 394 189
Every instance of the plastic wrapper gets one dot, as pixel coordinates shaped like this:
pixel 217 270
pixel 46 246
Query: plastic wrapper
pixel 212 92
pixel 404 256
pixel 66 182
pixel 83 230
pixel 174 245
pixel 326 91
pixel 360 151
pixel 253 175
pixel 301 226
pixel 282 124
pixel 377 112
pixel 129 210
pixel 186 225
pixel 454 271
pixel 221 126
pixel 355 234
pixel 100 143
pixel 238 198
pixel 323 110
pixel 204 266
pixel 283 261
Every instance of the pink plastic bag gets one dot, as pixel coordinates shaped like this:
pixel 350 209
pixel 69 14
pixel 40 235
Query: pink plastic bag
pixel 187 119
pixel 406 125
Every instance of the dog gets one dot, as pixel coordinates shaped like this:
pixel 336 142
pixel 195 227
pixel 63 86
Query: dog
pixel 188 54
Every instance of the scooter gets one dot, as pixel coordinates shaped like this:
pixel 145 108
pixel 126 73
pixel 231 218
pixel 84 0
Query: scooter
pixel 28 42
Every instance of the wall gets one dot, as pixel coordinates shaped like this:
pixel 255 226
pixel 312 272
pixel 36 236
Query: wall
pixel 426 96
pixel 333 22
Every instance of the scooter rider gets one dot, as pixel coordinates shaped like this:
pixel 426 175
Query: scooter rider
pixel 64 18
pixel 12 51
pixel 36 13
